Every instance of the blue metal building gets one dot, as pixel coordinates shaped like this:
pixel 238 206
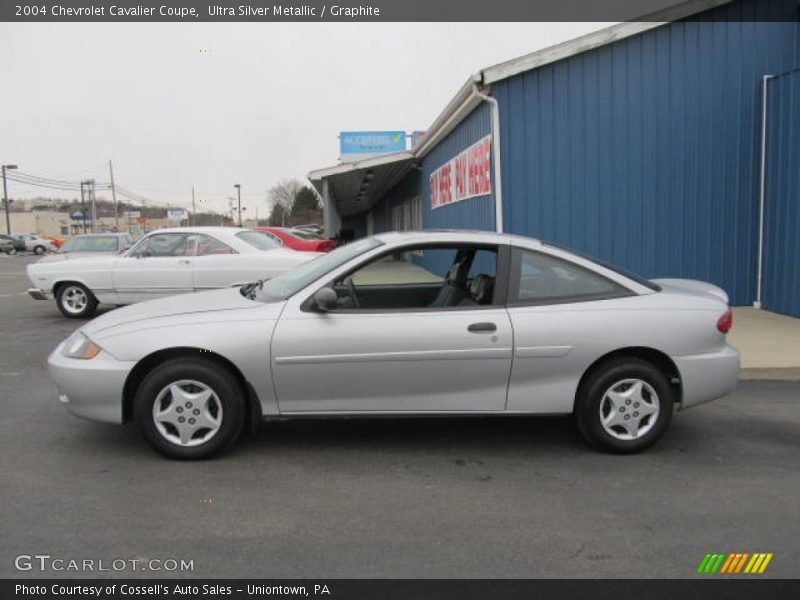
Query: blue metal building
pixel 672 150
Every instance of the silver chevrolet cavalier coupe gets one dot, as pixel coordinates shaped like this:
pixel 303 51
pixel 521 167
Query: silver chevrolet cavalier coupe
pixel 412 323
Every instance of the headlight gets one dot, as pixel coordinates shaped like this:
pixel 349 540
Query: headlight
pixel 80 346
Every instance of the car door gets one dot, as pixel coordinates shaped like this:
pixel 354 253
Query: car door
pixel 218 265
pixel 160 265
pixel 419 354
pixel 564 317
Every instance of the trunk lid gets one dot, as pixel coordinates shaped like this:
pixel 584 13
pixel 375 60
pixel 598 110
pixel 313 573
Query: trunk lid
pixel 693 286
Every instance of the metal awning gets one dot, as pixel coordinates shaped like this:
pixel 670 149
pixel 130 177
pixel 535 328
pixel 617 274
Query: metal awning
pixel 355 187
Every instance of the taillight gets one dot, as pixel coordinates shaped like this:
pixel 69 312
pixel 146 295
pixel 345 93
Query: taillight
pixel 725 322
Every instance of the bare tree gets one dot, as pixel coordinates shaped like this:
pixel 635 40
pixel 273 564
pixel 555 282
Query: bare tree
pixel 284 193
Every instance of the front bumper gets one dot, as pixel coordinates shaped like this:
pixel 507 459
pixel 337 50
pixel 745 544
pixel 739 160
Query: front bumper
pixel 38 294
pixel 706 377
pixel 91 389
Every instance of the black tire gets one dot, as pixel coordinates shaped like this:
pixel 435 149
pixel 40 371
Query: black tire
pixel 65 295
pixel 220 381
pixel 39 250
pixel 611 375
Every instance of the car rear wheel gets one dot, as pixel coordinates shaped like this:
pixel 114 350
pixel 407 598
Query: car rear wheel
pixel 624 406
pixel 75 301
pixel 190 409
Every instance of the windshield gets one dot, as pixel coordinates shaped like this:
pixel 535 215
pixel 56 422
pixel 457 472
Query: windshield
pixel 257 239
pixel 99 243
pixel 289 283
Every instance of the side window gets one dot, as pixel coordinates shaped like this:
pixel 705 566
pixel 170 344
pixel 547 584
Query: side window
pixel 542 279
pixel 484 263
pixel 207 245
pixel 165 244
pixel 422 277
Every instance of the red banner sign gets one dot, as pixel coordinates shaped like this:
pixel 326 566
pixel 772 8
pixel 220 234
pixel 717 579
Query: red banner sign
pixel 464 176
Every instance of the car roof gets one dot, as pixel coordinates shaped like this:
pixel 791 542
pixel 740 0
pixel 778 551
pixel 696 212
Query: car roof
pixel 450 235
pixel 117 233
pixel 206 229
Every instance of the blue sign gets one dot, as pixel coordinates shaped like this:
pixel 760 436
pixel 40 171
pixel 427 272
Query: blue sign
pixel 371 142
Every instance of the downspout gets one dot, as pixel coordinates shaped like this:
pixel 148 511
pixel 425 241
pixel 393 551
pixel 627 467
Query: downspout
pixel 498 180
pixel 762 188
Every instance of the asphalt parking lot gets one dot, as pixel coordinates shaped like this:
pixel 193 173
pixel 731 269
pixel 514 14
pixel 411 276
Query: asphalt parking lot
pixel 477 497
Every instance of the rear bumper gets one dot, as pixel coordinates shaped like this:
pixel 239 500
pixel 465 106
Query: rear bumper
pixel 706 377
pixel 91 389
pixel 38 294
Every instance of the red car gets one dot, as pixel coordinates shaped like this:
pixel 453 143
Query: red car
pixel 305 241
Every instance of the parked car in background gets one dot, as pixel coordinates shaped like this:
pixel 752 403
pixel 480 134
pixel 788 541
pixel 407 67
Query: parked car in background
pixel 298 239
pixel 414 323
pixel 19 245
pixel 57 240
pixel 7 246
pixel 92 244
pixel 36 243
pixel 164 263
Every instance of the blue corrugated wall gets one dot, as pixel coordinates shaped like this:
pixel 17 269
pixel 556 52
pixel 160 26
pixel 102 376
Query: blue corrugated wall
pixel 645 152
pixel 358 223
pixel 409 187
pixel 475 213
pixel 781 278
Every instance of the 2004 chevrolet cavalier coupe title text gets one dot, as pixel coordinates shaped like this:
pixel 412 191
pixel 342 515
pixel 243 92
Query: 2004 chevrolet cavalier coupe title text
pixel 415 323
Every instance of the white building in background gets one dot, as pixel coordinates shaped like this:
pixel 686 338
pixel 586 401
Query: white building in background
pixel 41 222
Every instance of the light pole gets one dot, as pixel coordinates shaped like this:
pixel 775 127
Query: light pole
pixel 5 197
pixel 239 196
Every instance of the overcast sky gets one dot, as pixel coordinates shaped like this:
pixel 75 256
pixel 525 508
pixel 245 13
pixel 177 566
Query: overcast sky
pixel 210 105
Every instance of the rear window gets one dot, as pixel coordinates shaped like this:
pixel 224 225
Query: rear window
pixel 619 270
pixel 257 239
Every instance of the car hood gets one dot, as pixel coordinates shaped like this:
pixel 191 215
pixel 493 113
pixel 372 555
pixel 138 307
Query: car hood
pixel 174 310
pixel 73 256
pixel 90 259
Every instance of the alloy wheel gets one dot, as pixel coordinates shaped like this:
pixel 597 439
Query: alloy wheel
pixel 74 299
pixel 629 409
pixel 187 413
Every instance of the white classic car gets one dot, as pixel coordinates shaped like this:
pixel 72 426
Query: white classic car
pixel 166 262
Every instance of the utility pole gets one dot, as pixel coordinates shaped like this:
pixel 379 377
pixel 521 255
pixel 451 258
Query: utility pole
pixel 239 194
pixel 94 204
pixel 194 210
pixel 114 196
pixel 5 197
pixel 83 207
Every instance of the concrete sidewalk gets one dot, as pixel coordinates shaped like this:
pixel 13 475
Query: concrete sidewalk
pixel 769 344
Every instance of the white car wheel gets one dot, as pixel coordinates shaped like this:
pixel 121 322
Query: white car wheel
pixel 75 301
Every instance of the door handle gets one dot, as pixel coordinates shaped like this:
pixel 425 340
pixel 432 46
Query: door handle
pixel 183 261
pixel 482 328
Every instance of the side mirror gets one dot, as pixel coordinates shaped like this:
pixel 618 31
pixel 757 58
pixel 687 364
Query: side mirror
pixel 325 299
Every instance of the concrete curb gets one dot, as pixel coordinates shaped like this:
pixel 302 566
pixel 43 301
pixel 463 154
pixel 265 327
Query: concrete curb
pixel 780 374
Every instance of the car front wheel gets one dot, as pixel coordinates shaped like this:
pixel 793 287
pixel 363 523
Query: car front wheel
pixel 624 406
pixel 190 409
pixel 75 301
pixel 39 250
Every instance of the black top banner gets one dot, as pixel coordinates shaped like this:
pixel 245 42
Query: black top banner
pixel 377 10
